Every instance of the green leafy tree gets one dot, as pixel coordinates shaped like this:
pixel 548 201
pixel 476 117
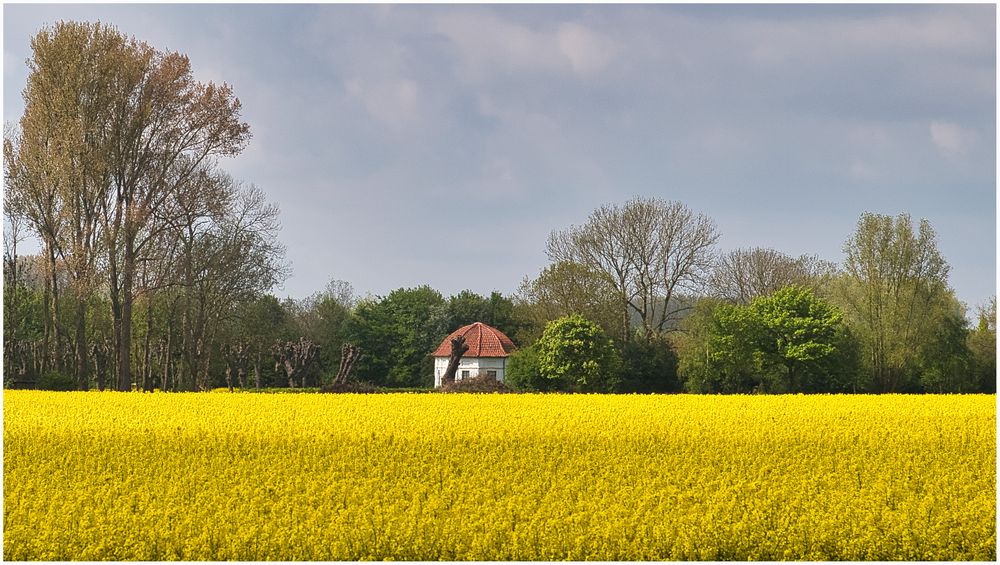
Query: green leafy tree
pixel 468 307
pixel 945 360
pixel 716 355
pixel 788 341
pixel 576 352
pixel 982 343
pixel 797 337
pixel 649 367
pixel 523 372
pixel 895 279
pixel 398 333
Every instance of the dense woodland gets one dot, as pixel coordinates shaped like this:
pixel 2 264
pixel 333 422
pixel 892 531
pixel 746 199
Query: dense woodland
pixel 157 271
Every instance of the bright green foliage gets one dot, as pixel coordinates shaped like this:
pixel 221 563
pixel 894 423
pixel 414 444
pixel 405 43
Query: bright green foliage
pixel 789 341
pixel 576 352
pixel 796 335
pixel 715 354
pixel 945 361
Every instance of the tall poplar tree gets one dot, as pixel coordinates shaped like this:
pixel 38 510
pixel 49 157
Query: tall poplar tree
pixel 895 278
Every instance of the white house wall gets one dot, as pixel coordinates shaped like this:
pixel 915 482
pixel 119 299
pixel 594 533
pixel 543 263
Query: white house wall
pixel 474 365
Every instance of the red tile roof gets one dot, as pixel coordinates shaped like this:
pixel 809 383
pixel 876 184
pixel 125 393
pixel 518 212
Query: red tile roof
pixel 483 341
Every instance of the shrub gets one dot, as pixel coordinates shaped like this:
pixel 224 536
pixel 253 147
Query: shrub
pixel 523 373
pixel 649 367
pixel 359 387
pixel 55 380
pixel 576 353
pixel 478 383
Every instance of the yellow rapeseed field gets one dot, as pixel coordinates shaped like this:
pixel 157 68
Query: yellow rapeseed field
pixel 131 476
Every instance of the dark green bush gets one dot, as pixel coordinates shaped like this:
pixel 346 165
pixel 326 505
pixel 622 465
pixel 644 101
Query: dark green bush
pixel 55 380
pixel 649 367
pixel 523 374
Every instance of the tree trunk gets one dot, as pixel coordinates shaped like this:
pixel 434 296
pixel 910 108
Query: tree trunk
pixel 57 349
pixel 82 377
pixel 458 349
pixel 147 369
pixel 290 371
pixel 43 362
pixel 349 355
pixel 125 347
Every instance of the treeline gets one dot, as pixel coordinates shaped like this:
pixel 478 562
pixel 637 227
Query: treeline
pixel 664 310
pixel 157 271
pixel 147 246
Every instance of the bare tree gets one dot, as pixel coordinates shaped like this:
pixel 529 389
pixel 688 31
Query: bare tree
pixel 226 261
pixel 651 251
pixel 744 274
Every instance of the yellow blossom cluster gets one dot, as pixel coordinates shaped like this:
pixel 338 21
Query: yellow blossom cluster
pixel 131 476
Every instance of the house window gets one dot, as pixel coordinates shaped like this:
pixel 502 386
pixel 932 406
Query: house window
pixel 465 374
pixel 491 374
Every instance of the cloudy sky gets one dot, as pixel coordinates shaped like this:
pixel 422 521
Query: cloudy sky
pixel 441 144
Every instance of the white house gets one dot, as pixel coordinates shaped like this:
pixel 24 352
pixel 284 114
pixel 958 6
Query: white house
pixel 487 354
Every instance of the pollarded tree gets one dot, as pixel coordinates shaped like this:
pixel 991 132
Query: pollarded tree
pixel 577 353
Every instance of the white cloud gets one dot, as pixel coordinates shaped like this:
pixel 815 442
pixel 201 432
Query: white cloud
pixel 486 42
pixel 951 140
pixel 394 103
pixel 774 43
pixel 588 52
